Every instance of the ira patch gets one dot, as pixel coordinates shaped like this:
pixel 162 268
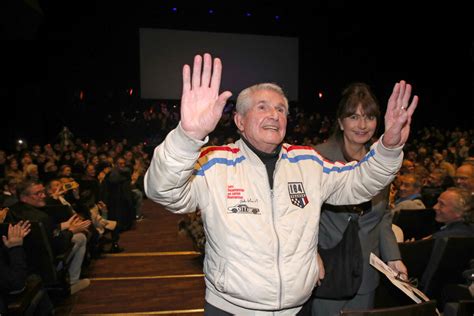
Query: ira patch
pixel 297 194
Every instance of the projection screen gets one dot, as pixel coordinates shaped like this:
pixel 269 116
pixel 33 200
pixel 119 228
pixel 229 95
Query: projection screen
pixel 247 59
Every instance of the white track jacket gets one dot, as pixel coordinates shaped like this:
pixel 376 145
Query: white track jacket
pixel 261 244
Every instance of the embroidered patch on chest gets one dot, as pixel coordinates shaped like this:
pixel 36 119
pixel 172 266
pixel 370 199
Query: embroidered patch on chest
pixel 297 194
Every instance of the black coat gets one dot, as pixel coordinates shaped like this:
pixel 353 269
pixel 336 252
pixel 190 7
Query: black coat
pixel 60 240
pixel 118 197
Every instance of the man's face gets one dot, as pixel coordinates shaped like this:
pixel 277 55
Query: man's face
pixel 264 123
pixel 465 177
pixel 35 196
pixel 121 163
pixel 435 179
pixel 407 186
pixel 445 208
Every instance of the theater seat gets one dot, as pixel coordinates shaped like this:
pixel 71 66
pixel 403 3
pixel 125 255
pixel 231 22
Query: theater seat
pixel 422 309
pixel 415 256
pixel 41 260
pixel 449 259
pixel 20 304
pixel 459 308
pixel 416 223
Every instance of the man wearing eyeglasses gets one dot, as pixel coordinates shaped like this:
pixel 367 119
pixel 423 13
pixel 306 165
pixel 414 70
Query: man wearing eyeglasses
pixel 31 195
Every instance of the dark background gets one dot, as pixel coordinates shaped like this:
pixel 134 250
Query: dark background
pixel 52 50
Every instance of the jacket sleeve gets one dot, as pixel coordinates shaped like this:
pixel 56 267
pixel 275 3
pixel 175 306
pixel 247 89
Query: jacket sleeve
pixel 357 182
pixel 169 179
pixel 388 243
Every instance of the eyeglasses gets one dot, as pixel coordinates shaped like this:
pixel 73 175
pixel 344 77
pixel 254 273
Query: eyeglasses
pixel 38 193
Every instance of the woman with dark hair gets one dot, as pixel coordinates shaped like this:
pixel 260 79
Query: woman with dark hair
pixel 357 121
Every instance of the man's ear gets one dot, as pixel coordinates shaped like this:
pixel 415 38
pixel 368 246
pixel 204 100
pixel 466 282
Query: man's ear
pixel 238 120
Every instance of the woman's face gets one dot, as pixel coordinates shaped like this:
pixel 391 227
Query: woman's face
pixel 359 127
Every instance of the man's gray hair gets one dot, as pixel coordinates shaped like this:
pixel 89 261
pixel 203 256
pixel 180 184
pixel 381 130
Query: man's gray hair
pixel 464 203
pixel 244 100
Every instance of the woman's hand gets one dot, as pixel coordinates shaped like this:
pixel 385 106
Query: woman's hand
pixel 398 115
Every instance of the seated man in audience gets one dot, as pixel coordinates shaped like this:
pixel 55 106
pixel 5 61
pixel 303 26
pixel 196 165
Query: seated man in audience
pixel 455 210
pixel 30 207
pixel 465 177
pixel 409 193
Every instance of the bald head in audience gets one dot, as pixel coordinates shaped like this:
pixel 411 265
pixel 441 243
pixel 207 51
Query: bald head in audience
pixel 454 204
pixel 465 177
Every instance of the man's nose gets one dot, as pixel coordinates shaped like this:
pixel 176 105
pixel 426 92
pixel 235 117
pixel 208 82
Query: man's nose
pixel 274 113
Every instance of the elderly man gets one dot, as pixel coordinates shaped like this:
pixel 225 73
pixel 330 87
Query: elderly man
pixel 455 210
pixel 259 197
pixel 465 177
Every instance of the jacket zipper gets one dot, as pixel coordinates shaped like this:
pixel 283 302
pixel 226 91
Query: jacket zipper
pixel 277 254
pixel 272 196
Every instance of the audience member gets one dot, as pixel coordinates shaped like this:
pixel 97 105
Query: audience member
pixel 8 196
pixel 118 195
pixel 13 265
pixel 455 210
pixel 14 275
pixel 465 177
pixel 408 195
pixel 12 170
pixel 30 207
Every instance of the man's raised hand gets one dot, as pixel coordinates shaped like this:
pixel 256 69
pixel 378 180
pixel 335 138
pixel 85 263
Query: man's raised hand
pixel 201 103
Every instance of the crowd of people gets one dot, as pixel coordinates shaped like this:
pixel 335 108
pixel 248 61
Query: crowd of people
pixel 84 195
